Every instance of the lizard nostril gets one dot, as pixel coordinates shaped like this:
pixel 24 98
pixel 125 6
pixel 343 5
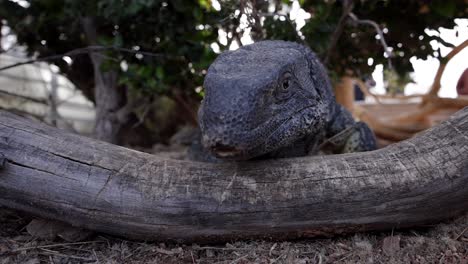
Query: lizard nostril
pixel 222 150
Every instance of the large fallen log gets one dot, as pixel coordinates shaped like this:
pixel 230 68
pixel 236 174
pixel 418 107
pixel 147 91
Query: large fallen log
pixel 119 191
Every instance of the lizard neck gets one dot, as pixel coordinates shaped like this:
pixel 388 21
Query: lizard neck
pixel 340 120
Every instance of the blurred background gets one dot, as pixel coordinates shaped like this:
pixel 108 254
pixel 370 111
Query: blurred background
pixel 131 72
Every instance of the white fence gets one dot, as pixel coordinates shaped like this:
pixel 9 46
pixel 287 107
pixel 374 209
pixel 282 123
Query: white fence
pixel 38 90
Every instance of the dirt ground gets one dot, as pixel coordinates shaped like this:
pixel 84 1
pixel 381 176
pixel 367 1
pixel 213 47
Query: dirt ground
pixel 442 243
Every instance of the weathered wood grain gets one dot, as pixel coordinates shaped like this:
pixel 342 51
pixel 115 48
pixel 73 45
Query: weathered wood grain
pixel 115 190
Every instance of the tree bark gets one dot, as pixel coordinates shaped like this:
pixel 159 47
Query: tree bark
pixel 111 189
pixel 108 99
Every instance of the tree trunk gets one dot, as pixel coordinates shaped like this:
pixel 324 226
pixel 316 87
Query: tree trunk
pixel 344 93
pixel 111 189
pixel 108 99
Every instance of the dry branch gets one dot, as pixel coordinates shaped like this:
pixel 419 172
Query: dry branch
pixel 372 23
pixel 383 129
pixel 404 126
pixel 436 84
pixel 347 8
pixel 393 130
pixel 431 96
pixel 115 190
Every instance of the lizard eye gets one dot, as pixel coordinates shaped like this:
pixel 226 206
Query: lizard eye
pixel 286 81
pixel 285 87
pixel 285 84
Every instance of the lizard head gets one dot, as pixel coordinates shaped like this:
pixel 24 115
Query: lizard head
pixel 262 97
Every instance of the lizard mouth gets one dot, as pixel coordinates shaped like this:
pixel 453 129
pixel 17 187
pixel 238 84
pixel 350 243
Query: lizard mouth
pixel 223 151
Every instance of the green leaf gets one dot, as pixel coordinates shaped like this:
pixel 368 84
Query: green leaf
pixel 205 4
pixel 160 72
pixel 444 8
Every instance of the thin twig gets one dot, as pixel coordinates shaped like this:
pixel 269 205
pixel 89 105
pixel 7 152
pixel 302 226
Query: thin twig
pixel 231 249
pixel 232 261
pixel 234 34
pixel 239 259
pixel 253 19
pixel 345 257
pixel 96 257
pixel 86 50
pixel 142 117
pixel 387 51
pixel 57 245
pixel 445 43
pixel 462 233
pixel 347 8
pixel 55 253
pixel 193 259
pixel 24 97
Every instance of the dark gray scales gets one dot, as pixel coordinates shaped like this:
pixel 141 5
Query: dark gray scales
pixel 273 99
